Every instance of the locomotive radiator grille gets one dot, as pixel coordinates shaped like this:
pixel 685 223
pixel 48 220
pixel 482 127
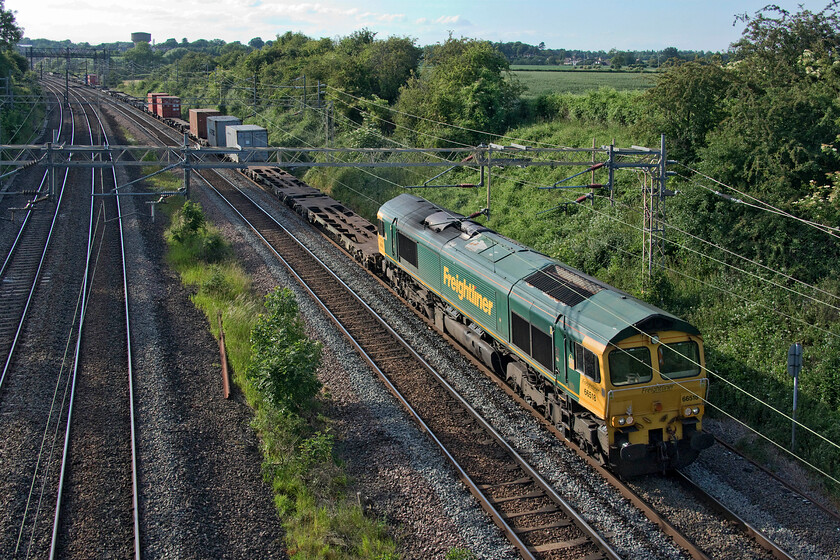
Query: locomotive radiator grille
pixel 563 285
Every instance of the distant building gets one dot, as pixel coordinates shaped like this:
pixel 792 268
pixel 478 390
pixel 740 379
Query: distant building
pixel 141 37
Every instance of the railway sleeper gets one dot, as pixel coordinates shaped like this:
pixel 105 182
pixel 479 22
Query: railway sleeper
pixel 556 525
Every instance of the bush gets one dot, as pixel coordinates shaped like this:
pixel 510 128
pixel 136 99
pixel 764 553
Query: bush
pixel 283 359
pixel 193 238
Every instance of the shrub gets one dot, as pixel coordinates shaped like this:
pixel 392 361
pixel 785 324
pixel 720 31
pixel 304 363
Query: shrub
pixel 284 360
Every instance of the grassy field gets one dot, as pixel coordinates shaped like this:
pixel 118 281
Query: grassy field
pixel 540 82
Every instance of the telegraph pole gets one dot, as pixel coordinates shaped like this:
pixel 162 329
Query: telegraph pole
pixel 67 79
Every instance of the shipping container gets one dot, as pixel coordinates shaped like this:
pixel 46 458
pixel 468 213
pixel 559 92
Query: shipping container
pixel 169 107
pixel 246 136
pixel 216 135
pixel 198 121
pixel 152 100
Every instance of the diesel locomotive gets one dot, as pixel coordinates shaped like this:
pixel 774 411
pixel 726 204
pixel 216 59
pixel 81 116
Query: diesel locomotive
pixel 623 379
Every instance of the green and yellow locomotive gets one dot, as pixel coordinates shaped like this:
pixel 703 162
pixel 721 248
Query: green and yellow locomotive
pixel 622 378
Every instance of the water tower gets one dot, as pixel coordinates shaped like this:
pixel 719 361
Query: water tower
pixel 141 37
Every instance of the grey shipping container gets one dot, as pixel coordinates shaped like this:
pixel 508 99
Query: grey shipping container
pixel 216 135
pixel 246 136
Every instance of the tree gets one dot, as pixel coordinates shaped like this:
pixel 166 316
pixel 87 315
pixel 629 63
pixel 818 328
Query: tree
pixel 177 53
pixel 760 125
pixel 196 62
pixel 784 104
pixel 670 53
pixel 10 32
pixel 141 55
pixel 11 62
pixel 390 64
pixel 256 43
pixel 283 359
pixel 774 40
pixel 686 104
pixel 468 85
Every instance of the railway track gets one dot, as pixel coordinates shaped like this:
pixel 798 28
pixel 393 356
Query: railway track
pixel 51 352
pixel 384 352
pixel 24 260
pixel 96 508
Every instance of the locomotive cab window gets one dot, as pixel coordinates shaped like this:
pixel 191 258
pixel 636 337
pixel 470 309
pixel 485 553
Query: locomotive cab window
pixel 629 366
pixel 586 362
pixel 380 228
pixel 679 359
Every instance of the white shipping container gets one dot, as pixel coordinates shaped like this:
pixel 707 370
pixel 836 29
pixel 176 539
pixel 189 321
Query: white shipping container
pixel 246 136
pixel 216 135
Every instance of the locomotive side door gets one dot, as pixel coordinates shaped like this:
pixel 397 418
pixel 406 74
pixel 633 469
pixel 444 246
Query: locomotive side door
pixel 394 240
pixel 561 369
pixel 572 375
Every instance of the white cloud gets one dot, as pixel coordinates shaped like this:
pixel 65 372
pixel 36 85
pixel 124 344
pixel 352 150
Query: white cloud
pixel 455 21
pixel 391 18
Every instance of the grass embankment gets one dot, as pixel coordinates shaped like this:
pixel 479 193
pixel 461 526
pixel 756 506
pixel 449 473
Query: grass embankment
pixel 274 365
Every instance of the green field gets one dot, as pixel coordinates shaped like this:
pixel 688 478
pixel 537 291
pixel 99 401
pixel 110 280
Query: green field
pixel 544 81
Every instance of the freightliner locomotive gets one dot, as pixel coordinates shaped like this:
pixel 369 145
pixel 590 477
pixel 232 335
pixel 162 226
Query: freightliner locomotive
pixel 622 378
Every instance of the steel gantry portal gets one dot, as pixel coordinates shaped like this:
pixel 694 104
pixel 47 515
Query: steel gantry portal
pixel 483 159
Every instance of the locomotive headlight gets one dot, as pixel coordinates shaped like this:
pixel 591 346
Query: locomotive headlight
pixel 621 421
pixel 687 411
pixel 695 410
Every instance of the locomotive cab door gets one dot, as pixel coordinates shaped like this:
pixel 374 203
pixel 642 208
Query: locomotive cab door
pixel 393 239
pixel 561 369
pixel 572 375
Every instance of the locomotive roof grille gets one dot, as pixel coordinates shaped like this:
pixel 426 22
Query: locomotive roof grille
pixel 563 285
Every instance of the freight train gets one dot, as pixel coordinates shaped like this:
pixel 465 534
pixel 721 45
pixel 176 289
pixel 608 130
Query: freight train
pixel 207 127
pixel 623 379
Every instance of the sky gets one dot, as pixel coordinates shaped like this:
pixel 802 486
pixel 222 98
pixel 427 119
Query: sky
pixel 699 25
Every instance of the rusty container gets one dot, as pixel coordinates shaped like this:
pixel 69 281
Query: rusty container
pixel 152 101
pixel 198 121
